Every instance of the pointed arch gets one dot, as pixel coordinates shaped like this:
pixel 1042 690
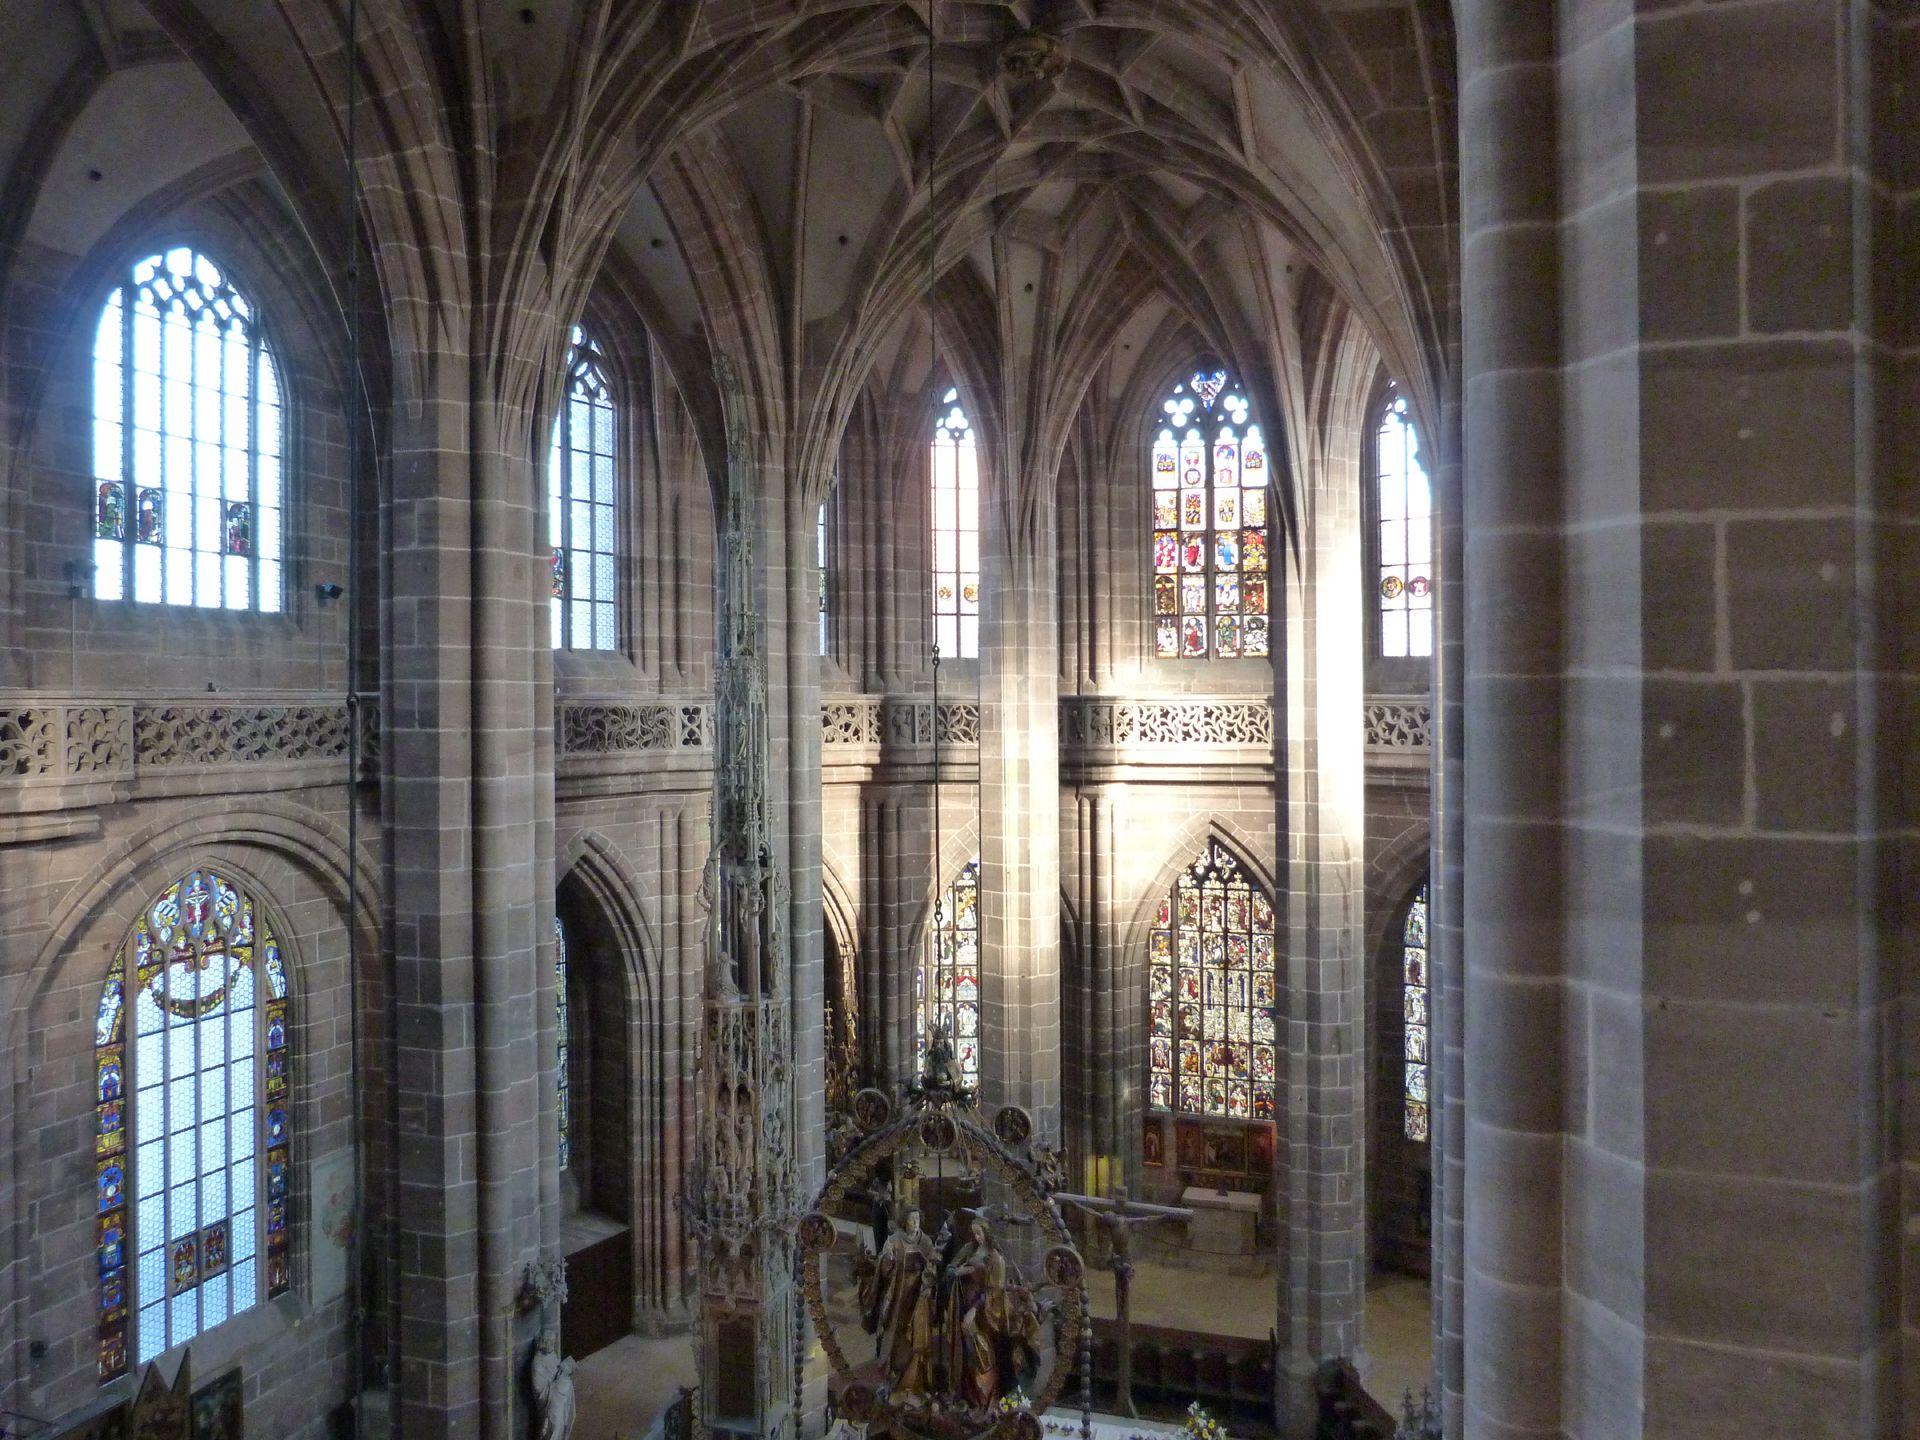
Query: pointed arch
pixel 193 1119
pixel 1212 989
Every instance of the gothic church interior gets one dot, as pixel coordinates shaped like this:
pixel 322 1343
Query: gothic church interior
pixel 1284 624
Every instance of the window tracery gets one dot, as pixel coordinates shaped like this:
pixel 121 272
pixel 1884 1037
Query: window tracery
pixel 192 1068
pixel 1211 992
pixel 1406 535
pixel 582 510
pixel 947 980
pixel 188 470
pixel 956 532
pixel 1211 589
pixel 1413 957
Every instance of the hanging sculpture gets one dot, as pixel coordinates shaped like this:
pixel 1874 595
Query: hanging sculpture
pixel 965 1340
pixel 741 1201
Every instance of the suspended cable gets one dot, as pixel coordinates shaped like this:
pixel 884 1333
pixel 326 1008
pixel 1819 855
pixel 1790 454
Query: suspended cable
pixel 356 400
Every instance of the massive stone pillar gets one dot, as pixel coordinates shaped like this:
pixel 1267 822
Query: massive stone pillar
pixel 466 695
pixel 1683 660
pixel 1320 740
pixel 1513 976
pixel 1020 804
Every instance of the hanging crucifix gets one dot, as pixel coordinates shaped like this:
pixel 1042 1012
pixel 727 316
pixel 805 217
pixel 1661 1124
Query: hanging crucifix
pixel 1116 1219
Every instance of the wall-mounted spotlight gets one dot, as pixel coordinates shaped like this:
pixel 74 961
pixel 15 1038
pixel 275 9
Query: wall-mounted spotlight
pixel 327 591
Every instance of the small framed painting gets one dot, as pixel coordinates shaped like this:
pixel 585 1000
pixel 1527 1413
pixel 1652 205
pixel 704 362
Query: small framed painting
pixel 217 1409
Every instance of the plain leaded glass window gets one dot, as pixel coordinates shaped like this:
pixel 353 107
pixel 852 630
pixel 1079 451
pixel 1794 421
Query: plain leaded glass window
pixel 956 532
pixel 946 984
pixel 192 1078
pixel 1406 535
pixel 582 513
pixel 188 443
pixel 1210 536
pixel 820 559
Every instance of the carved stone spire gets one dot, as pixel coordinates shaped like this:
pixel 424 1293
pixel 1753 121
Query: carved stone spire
pixel 741 1201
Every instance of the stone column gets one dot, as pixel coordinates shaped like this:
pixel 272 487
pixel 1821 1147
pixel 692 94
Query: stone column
pixel 1020 807
pixel 1320 738
pixel 1512 983
pixel 1683 721
pixel 466 695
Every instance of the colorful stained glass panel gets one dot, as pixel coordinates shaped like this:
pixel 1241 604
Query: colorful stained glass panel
pixel 204 1048
pixel 1217 459
pixel 1413 950
pixel 953 962
pixel 1222 1031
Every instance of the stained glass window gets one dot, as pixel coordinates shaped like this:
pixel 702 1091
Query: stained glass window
pixel 191 1097
pixel 563 1069
pixel 1211 588
pixel 1210 994
pixel 189 484
pixel 1413 952
pixel 582 517
pixel 1406 535
pixel 956 532
pixel 947 981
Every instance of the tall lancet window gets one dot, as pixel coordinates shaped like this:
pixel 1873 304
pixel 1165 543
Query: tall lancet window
pixel 956 532
pixel 1211 593
pixel 1406 535
pixel 582 511
pixel 946 984
pixel 189 476
pixel 563 1031
pixel 1210 994
pixel 820 560
pixel 1413 955
pixel 192 1073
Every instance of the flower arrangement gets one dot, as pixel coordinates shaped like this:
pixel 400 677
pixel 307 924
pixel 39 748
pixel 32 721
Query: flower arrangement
pixel 1014 1400
pixel 1199 1425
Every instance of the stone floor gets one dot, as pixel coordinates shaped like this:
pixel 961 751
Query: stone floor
pixel 623 1387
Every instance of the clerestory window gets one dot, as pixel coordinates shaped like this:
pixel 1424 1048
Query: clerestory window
pixel 190 485
pixel 582 509
pixel 956 532
pixel 1211 592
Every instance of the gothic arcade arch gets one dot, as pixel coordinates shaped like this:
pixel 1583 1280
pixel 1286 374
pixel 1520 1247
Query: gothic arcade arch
pixel 618 1191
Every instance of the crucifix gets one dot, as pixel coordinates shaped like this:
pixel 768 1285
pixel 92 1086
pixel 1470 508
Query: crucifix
pixel 1116 1220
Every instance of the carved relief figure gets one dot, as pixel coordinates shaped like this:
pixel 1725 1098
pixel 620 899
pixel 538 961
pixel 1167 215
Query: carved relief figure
pixel 552 1376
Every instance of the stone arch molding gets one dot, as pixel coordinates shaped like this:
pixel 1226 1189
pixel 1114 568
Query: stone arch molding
pixel 112 897
pixel 1197 832
pixel 957 847
pixel 840 912
pixel 1401 865
pixel 600 869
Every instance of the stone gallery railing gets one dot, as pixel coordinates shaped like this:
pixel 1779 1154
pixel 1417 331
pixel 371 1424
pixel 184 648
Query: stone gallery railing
pixel 54 741
pixel 90 739
pixel 1393 725
pixel 870 720
pixel 1401 725
pixel 595 727
pixel 1208 723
